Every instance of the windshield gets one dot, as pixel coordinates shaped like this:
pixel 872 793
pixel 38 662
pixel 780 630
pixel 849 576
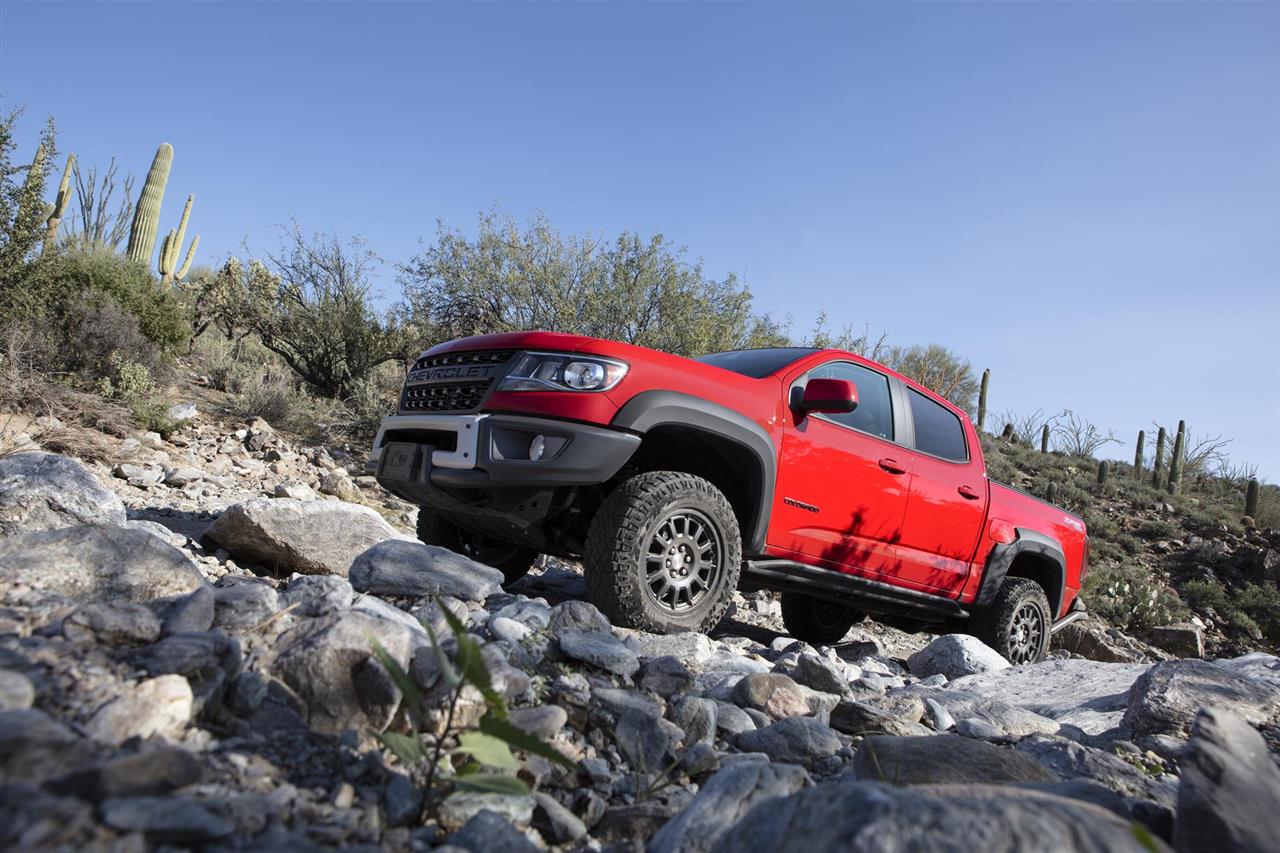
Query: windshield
pixel 756 363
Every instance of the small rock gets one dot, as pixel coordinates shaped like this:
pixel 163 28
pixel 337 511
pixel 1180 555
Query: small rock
pixel 600 650
pixel 173 820
pixel 149 773
pixel 461 806
pixel 190 614
pixel 295 491
pixel 955 655
pixel 576 615
pixel 114 623
pixel 412 569
pixel 556 823
pixel 944 759
pixel 772 693
pixel 17 693
pixel 157 706
pixel 795 740
pixel 244 605
pixel 182 412
pixel 543 721
pixel 1184 640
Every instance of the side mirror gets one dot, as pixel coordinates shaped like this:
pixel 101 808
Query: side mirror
pixel 831 396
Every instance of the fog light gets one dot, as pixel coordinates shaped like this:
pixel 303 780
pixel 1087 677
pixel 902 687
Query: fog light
pixel 537 447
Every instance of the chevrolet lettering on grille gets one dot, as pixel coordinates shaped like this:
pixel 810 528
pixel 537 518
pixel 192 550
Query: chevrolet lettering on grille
pixel 452 373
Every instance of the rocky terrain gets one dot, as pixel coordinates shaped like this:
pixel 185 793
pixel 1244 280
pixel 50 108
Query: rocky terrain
pixel 186 638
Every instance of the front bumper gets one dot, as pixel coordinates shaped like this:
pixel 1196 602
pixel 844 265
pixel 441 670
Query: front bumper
pixel 415 454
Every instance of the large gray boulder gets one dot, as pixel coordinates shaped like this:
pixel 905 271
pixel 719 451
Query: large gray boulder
pixel 955 655
pixel 723 801
pixel 944 760
pixel 45 491
pixel 96 561
pixel 1088 694
pixel 404 568
pixel 328 663
pixel 1167 698
pixel 1229 793
pixel 850 815
pixel 1072 760
pixel 309 537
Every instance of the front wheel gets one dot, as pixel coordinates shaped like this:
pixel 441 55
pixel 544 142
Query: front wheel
pixel 1017 624
pixel 514 561
pixel 663 554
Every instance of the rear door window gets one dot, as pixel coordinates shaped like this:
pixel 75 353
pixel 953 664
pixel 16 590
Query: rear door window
pixel 938 431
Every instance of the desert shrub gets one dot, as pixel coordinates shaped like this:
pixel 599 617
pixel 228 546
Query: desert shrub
pixel 642 290
pixel 312 305
pixel 1130 598
pixel 372 399
pixel 271 394
pixel 1205 595
pixel 60 282
pixel 87 330
pixel 940 370
pixel 1158 528
pixel 1262 605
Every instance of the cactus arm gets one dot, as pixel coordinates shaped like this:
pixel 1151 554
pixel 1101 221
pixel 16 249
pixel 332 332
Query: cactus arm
pixel 191 253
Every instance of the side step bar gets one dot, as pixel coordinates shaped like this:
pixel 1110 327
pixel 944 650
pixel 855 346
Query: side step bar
pixel 857 592
pixel 1077 611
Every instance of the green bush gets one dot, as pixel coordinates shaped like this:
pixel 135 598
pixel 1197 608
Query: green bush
pixel 62 280
pixel 1128 596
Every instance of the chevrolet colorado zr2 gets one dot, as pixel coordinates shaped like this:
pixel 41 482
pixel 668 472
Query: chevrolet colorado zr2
pixel 848 488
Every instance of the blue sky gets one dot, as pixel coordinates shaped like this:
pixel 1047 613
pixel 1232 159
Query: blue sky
pixel 1084 197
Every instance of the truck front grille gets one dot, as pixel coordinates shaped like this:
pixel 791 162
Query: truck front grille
pixel 454 382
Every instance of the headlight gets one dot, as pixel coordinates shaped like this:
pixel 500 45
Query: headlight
pixel 546 371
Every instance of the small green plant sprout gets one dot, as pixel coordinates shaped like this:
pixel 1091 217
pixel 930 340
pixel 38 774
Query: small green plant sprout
pixel 481 759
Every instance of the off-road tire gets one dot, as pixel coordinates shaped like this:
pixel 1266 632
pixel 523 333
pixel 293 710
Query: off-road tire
pixel 1002 624
pixel 514 561
pixel 616 558
pixel 815 620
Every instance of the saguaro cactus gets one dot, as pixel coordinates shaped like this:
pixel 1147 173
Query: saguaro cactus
pixel 1175 460
pixel 1137 456
pixel 1104 468
pixel 172 245
pixel 146 217
pixel 1051 494
pixel 1155 472
pixel 1251 498
pixel 982 399
pixel 1044 439
pixel 59 207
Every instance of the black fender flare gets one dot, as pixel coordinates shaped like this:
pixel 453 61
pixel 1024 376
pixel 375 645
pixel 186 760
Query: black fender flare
pixel 1001 558
pixel 651 409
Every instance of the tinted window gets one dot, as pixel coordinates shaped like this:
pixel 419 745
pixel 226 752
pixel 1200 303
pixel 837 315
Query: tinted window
pixel 756 363
pixel 874 413
pixel 938 431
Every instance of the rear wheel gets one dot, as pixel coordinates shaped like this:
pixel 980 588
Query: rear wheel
pixel 663 554
pixel 1017 623
pixel 514 561
pixel 817 620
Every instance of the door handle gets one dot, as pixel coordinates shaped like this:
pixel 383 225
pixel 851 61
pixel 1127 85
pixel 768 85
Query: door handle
pixel 892 466
pixel 968 493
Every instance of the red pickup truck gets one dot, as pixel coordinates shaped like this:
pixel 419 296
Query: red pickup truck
pixel 830 478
